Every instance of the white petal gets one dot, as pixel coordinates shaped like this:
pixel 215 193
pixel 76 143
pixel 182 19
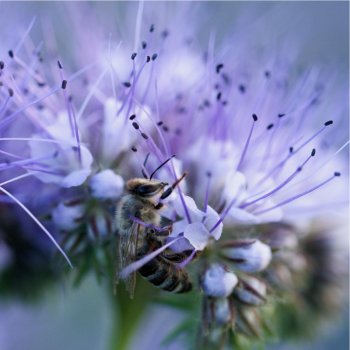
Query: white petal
pixel 211 219
pixel 241 216
pixel 76 178
pixel 197 234
pixel 195 214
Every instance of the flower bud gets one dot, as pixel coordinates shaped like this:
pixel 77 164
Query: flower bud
pixel 218 282
pixel 223 312
pixel 251 290
pixel 106 185
pixel 247 255
pixel 67 217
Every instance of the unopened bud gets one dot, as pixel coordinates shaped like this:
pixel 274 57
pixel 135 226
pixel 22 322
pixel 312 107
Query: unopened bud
pixel 218 282
pixel 106 185
pixel 247 255
pixel 251 290
pixel 67 217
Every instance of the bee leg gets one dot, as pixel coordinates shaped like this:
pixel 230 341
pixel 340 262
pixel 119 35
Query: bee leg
pixel 159 206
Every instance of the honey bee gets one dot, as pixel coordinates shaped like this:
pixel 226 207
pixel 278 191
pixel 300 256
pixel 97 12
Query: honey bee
pixel 140 232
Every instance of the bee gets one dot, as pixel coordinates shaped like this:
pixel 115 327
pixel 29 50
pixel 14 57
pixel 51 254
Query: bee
pixel 140 232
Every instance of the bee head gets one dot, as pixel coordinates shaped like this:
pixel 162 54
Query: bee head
pixel 145 188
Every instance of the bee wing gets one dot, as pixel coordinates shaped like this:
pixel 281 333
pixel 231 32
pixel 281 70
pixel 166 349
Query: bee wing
pixel 126 254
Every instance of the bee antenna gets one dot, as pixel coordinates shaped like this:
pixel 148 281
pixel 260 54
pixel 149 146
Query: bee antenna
pixel 161 166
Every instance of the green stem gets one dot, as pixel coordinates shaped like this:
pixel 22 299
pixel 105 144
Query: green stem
pixel 127 313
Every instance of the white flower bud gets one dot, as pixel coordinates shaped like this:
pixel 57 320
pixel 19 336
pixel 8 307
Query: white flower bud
pixel 217 282
pixel 223 313
pixel 66 217
pixel 248 256
pixel 251 290
pixel 106 185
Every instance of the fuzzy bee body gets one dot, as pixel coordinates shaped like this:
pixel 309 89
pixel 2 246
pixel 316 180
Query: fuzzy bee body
pixel 140 233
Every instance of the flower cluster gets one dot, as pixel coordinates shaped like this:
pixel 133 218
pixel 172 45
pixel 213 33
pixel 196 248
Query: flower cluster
pixel 260 149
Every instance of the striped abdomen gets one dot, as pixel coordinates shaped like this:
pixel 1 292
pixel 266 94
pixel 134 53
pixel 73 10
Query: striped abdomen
pixel 162 273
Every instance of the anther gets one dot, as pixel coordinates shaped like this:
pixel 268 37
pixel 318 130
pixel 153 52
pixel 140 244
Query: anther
pixel 10 92
pixel 218 96
pixel 59 65
pixel 2 65
pixel 135 125
pixel 127 84
pixel 267 74
pixel 144 44
pixel 11 53
pixel 148 58
pixel 144 136
pixel 270 126
pixel 151 28
pixel 206 103
pixel 165 33
pixel 132 117
pixel 313 152
pixel 219 67
pixel 133 55
pixel 291 149
pixel 281 115
pixel 64 84
pixel 255 117
pixel 337 174
pixel 134 149
pixel 329 122
pixel 154 56
pixel 242 88
pixel 160 123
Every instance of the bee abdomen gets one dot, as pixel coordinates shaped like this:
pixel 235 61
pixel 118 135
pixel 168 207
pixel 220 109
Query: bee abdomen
pixel 166 277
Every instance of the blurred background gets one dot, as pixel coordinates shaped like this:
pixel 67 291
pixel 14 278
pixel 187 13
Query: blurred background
pixel 82 318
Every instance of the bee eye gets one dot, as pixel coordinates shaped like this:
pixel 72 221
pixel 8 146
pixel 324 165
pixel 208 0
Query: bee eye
pixel 145 189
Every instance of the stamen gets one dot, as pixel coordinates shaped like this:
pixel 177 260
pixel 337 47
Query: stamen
pixel 38 223
pixel 91 93
pixel 293 198
pixel 206 200
pixel 20 43
pixel 255 119
pixel 283 184
pixel 292 152
pixel 16 178
pixel 138 25
pixel 12 116
pixel 71 115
